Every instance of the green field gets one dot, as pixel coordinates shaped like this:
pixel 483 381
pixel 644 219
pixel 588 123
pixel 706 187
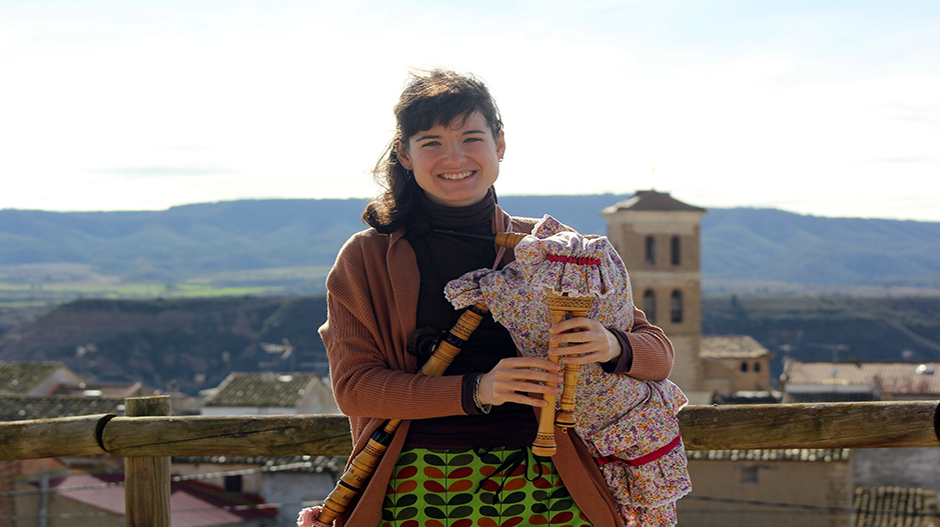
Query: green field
pixel 39 286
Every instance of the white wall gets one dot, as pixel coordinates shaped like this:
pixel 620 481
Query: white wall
pixel 292 489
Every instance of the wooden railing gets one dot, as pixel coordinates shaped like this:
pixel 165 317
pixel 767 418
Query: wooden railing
pixel 150 434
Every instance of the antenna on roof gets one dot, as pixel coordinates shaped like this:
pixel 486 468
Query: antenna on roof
pixel 653 177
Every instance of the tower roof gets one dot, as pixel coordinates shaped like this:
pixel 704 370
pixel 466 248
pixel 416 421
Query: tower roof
pixel 651 200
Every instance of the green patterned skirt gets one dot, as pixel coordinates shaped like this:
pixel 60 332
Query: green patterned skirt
pixel 481 487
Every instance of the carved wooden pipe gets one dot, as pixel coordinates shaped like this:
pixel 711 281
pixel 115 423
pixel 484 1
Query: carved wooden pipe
pixel 560 306
pixel 363 465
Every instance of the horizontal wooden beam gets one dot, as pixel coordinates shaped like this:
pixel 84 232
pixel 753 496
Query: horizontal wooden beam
pixel 235 435
pixel 886 424
pixel 62 437
pixel 726 427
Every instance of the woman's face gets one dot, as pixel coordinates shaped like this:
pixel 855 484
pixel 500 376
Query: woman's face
pixel 455 164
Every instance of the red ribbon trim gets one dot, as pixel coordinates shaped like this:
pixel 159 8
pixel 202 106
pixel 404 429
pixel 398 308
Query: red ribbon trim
pixel 642 460
pixel 582 260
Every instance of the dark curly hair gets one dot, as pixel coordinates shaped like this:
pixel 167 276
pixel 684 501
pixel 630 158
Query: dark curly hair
pixel 430 98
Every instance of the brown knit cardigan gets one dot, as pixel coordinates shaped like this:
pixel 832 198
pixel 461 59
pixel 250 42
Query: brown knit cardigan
pixel 372 300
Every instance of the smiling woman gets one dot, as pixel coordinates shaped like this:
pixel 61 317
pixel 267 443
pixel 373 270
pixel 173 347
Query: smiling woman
pixel 465 436
pixel 455 165
pixel 447 147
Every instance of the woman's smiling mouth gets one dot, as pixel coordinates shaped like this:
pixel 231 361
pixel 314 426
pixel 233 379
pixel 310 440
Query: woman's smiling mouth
pixel 459 175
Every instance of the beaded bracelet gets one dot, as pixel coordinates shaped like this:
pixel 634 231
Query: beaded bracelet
pixel 485 408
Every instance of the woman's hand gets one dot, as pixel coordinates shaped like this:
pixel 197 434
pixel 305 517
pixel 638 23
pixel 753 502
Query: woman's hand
pixel 588 341
pixel 513 379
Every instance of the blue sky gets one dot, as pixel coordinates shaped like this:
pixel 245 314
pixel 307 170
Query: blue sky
pixel 826 108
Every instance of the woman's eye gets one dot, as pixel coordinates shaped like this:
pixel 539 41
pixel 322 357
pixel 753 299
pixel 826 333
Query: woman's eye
pixel 431 143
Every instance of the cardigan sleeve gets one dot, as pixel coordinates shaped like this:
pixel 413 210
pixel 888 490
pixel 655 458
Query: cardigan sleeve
pixel 367 365
pixel 653 354
pixel 656 351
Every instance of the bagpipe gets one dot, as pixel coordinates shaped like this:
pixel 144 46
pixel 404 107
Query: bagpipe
pixel 630 426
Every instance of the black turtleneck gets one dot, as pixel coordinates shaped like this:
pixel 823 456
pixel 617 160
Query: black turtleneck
pixel 441 258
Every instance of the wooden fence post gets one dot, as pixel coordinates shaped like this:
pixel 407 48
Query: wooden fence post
pixel 147 480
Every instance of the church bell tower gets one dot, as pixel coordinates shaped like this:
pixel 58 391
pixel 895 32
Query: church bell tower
pixel 658 238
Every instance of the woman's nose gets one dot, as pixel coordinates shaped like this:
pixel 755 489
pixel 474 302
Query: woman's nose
pixel 455 155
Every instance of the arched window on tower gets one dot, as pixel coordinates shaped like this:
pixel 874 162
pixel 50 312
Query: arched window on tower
pixel 675 307
pixel 649 305
pixel 675 255
pixel 650 250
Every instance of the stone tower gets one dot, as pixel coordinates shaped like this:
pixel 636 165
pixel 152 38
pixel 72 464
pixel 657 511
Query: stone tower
pixel 658 238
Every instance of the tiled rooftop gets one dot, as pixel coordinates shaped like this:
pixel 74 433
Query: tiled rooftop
pixel 21 377
pixel 792 454
pixel 909 378
pixel 106 390
pixel 748 397
pixel 731 347
pixel 270 390
pixel 895 507
pixel 21 407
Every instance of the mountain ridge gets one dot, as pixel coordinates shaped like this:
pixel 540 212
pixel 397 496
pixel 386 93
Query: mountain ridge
pixel 741 247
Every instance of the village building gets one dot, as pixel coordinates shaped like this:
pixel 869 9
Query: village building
pixel 804 381
pixel 270 393
pixel 798 487
pixel 108 390
pixel 289 483
pixel 34 378
pixel 734 363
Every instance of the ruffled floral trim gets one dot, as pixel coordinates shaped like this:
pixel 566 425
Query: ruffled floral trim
pixel 566 262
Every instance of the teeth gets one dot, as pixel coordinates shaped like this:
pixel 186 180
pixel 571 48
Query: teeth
pixel 461 175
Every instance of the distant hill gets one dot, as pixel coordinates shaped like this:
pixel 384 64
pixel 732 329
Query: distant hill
pixel 186 240
pixel 194 342
pixel 744 250
pixel 198 342
pixel 776 246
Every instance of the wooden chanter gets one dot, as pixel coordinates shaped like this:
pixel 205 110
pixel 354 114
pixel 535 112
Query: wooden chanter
pixel 363 465
pixel 560 307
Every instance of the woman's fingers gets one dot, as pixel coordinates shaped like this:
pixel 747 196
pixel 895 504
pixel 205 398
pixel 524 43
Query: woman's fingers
pixel 583 341
pixel 514 379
